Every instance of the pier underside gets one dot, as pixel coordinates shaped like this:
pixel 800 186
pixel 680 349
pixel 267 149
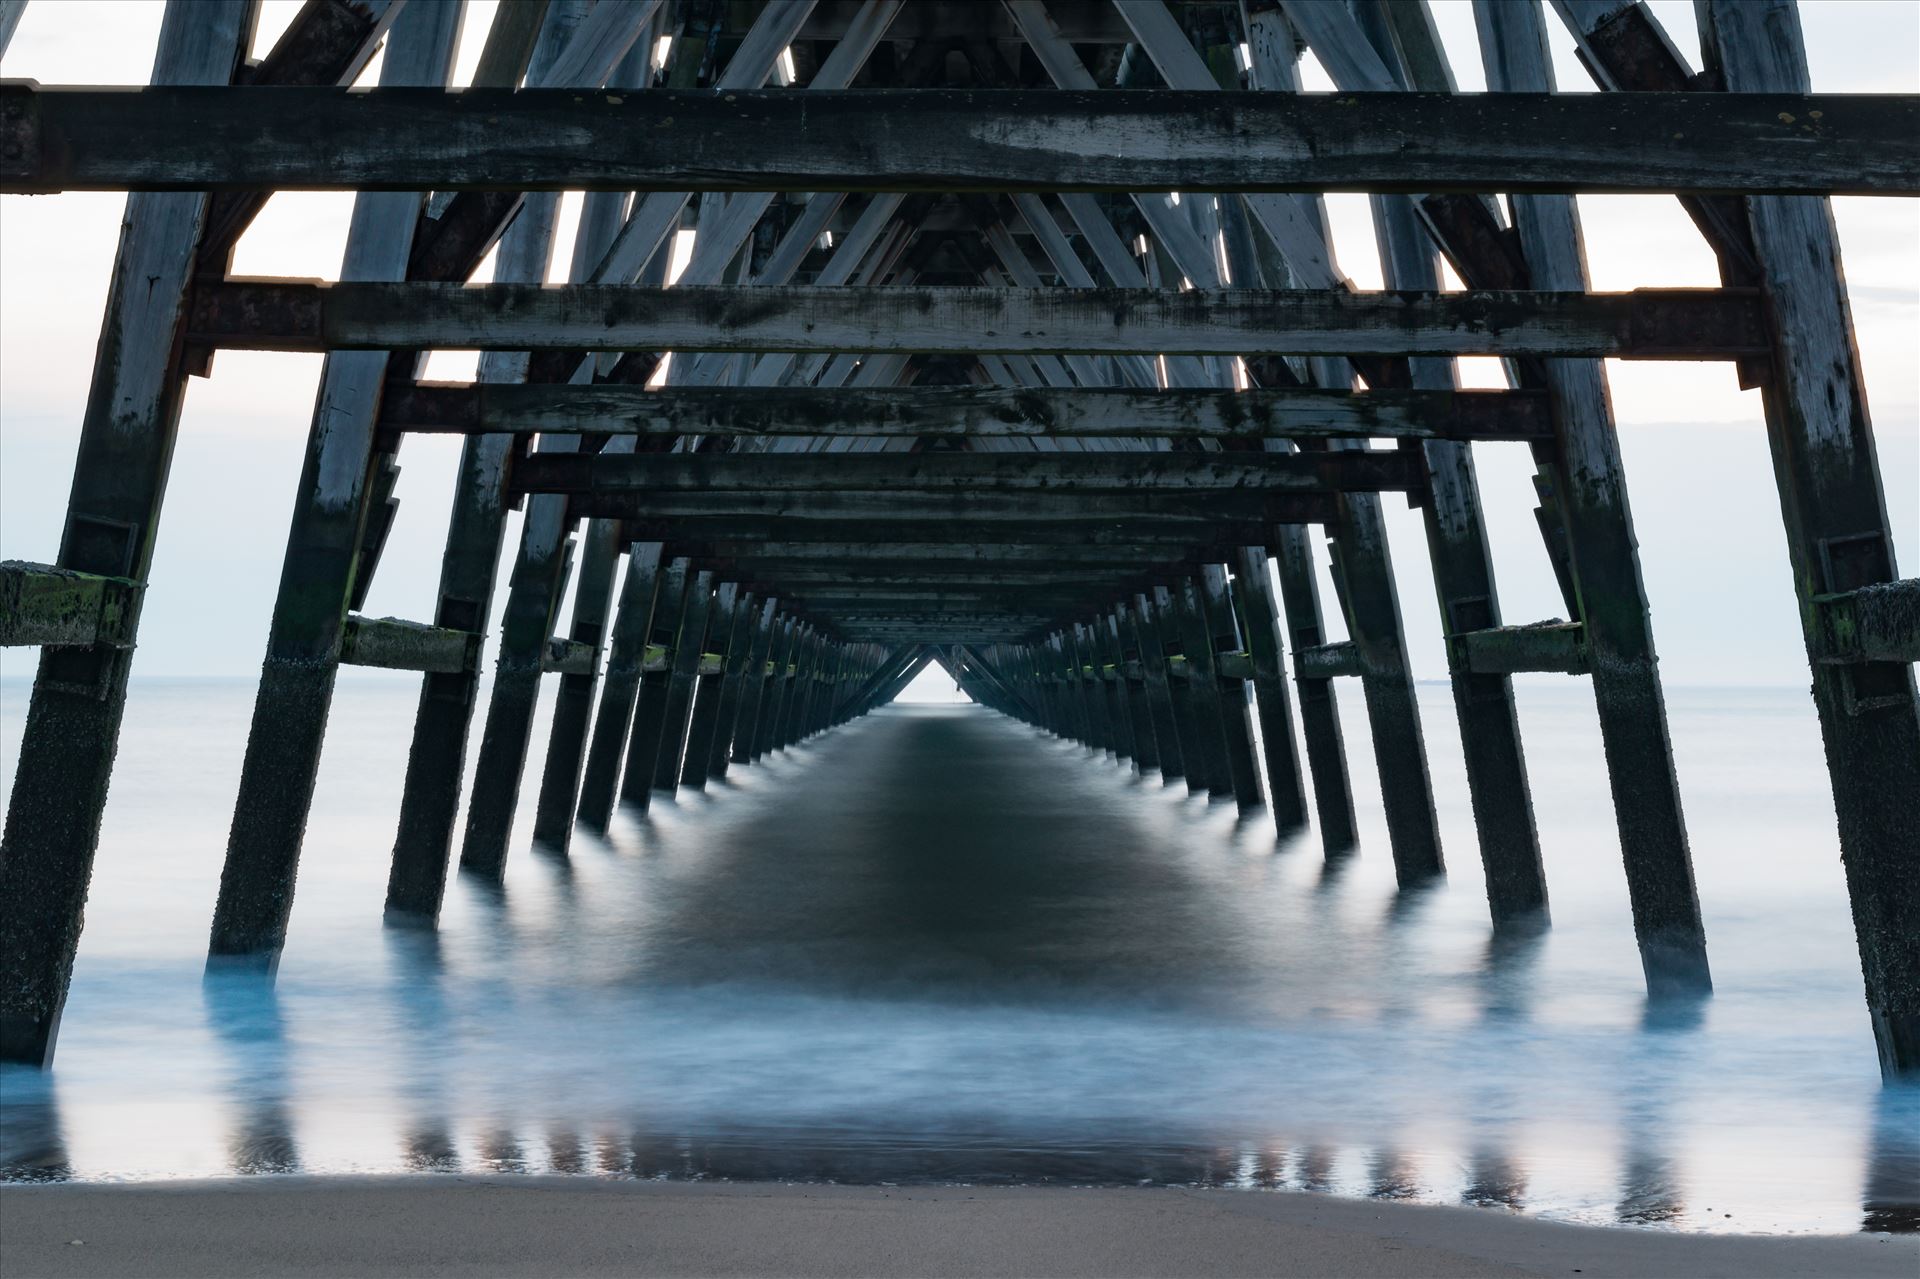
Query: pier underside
pixel 1008 337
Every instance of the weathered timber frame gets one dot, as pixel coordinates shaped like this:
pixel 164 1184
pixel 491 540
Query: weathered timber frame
pixel 951 375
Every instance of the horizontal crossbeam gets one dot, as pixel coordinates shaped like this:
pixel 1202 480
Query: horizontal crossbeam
pixel 1226 515
pixel 1511 650
pixel 58 607
pixel 1187 534
pixel 1325 661
pixel 569 657
pixel 397 645
pixel 614 409
pixel 284 315
pixel 1879 623
pixel 208 138
pixel 971 475
pixel 863 556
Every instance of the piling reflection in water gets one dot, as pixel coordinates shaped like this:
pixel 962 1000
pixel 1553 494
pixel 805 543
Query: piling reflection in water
pixel 939 946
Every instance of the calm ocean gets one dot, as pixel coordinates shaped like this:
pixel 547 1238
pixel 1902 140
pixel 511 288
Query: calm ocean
pixel 939 945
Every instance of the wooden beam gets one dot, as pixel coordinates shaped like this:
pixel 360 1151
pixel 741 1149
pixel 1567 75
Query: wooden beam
pixel 184 139
pixel 397 645
pixel 1878 623
pixel 61 607
pixel 1200 515
pixel 752 557
pixel 1506 650
pixel 288 315
pixel 1190 533
pixel 1293 412
pixel 972 475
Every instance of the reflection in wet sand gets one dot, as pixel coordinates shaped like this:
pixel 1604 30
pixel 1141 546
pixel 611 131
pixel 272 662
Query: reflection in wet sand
pixel 1891 1200
pixel 244 1014
pixel 32 1146
pixel 985 959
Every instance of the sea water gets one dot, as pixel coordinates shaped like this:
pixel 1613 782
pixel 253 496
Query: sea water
pixel 940 945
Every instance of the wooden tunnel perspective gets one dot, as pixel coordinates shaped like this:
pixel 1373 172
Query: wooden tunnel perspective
pixel 973 357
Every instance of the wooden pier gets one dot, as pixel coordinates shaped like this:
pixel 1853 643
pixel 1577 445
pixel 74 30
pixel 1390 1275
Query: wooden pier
pixel 978 358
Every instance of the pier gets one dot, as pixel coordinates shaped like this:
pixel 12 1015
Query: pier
pixel 1008 337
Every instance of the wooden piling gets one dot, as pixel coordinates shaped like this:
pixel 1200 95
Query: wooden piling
pixel 323 546
pixel 626 654
pixel 1254 602
pixel 127 432
pixel 730 608
pixel 746 672
pixel 1590 495
pixel 1236 720
pixel 1840 545
pixel 1153 666
pixel 650 708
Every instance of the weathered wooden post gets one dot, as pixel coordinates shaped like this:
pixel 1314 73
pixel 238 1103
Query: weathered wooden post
pixel 323 547
pixel 626 655
pixel 731 609
pixel 1153 665
pixel 1370 58
pixel 126 442
pixel 1861 622
pixel 1235 692
pixel 1592 498
pixel 1319 713
pixel 1253 597
pixel 573 704
pixel 1198 759
pixel 1133 686
pixel 436 760
pixel 1203 683
pixel 688 647
pixel 746 675
pixel 773 697
pixel 650 708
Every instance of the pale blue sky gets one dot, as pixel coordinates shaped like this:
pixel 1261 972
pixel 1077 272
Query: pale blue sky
pixel 1697 462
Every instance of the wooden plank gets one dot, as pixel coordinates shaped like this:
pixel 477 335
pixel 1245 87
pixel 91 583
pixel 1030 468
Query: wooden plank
pixel 59 607
pixel 184 138
pixel 773 557
pixel 972 474
pixel 1504 650
pixel 280 315
pixel 1189 533
pixel 612 408
pixel 957 513
pixel 398 645
pixel 1877 623
pixel 569 657
pixel 1326 661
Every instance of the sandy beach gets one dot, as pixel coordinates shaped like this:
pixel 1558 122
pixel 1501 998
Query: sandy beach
pixel 456 1225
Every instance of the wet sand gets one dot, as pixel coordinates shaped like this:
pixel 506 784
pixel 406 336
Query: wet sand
pixel 456 1225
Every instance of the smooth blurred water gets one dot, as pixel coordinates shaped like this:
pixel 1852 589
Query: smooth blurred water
pixel 939 945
